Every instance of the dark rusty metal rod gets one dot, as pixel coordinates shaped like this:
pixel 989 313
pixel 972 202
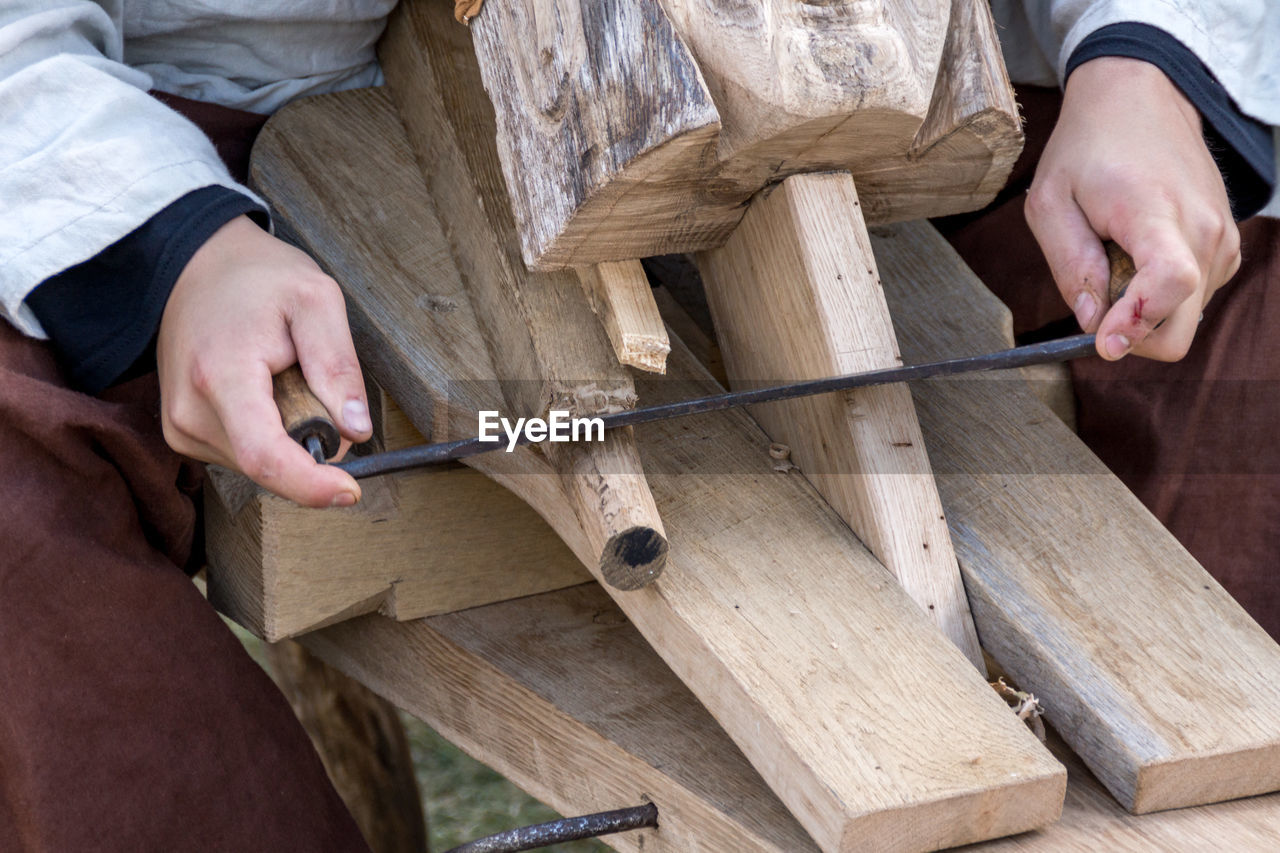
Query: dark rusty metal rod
pixel 565 829
pixel 1064 349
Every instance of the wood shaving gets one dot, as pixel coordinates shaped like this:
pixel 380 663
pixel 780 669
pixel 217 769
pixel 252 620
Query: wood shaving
pixel 1025 705
pixel 781 456
pixel 465 10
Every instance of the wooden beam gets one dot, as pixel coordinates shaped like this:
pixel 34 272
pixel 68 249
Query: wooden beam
pixel 620 295
pixel 417 544
pixel 1078 592
pixel 562 695
pixel 1076 589
pixel 780 621
pixel 795 296
pixel 546 344
pixel 638 127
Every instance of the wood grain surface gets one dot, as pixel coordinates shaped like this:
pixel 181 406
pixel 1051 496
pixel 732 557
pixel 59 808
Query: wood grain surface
pixel 639 127
pixel 772 612
pixel 547 345
pixel 562 695
pixel 795 295
pixel 1154 675
pixel 620 294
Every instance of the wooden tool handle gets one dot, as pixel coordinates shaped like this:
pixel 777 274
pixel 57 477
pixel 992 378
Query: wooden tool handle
pixel 302 413
pixel 1122 271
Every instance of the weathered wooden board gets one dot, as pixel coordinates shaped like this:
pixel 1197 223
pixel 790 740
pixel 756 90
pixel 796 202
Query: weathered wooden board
pixel 547 345
pixel 638 127
pixel 776 616
pixel 795 295
pixel 1154 675
pixel 561 695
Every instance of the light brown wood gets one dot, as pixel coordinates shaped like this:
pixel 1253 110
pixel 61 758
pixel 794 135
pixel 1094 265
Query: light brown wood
pixel 363 746
pixel 620 295
pixel 1049 543
pixel 795 295
pixel 417 544
pixel 560 694
pixel 773 613
pixel 546 345
pixel 409 335
pixel 625 133
pixel 1152 673
pixel 564 697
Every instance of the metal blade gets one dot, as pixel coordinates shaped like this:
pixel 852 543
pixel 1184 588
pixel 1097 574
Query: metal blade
pixel 1063 349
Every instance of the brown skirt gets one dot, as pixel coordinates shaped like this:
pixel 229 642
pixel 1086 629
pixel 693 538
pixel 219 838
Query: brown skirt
pixel 130 716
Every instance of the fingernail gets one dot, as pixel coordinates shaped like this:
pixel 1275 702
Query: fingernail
pixel 1086 306
pixel 355 414
pixel 1117 345
pixel 343 499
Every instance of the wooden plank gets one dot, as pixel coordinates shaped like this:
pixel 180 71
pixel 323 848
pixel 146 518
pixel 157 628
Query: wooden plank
pixel 620 294
pixel 547 347
pixel 562 695
pixel 1155 676
pixel 610 131
pixel 795 295
pixel 416 545
pixel 780 621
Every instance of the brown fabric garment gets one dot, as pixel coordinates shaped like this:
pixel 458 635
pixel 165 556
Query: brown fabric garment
pixel 131 719
pixel 232 131
pixel 1192 439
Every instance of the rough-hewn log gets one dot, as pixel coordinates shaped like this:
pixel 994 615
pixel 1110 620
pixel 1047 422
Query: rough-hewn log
pixel 548 347
pixel 638 127
pixel 795 295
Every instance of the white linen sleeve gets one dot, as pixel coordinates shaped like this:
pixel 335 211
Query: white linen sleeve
pixel 1237 40
pixel 86 155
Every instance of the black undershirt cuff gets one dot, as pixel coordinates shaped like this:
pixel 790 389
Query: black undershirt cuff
pixel 102 315
pixel 1243 147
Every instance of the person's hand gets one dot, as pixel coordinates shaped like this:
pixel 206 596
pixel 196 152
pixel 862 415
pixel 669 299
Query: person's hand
pixel 1127 162
pixel 246 307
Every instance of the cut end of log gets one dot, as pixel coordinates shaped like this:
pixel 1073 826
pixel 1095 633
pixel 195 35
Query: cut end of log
pixel 633 558
pixel 644 352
